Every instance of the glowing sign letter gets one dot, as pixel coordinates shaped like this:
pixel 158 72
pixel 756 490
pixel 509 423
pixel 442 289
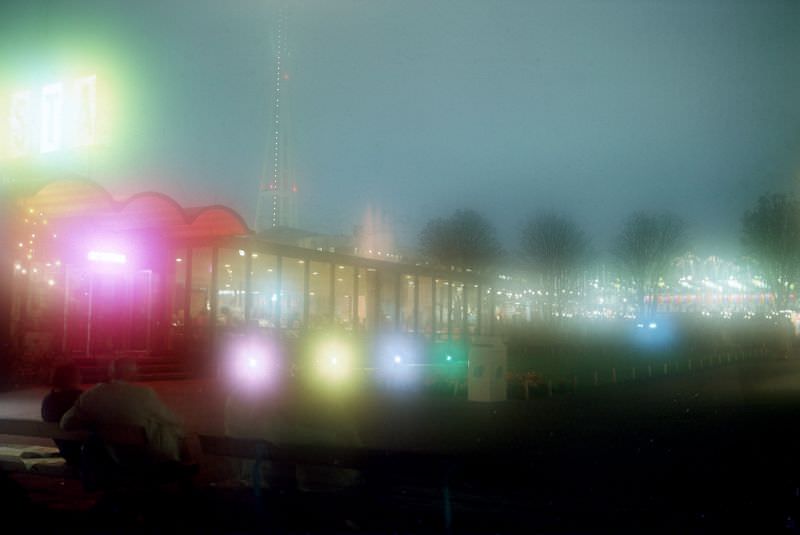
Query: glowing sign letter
pixel 85 96
pixel 20 123
pixel 52 102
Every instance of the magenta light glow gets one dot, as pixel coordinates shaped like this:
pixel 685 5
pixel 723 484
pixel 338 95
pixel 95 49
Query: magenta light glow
pixel 107 257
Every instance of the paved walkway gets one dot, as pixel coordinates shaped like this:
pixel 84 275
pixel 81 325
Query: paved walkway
pixel 708 449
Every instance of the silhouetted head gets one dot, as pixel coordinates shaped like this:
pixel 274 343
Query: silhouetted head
pixel 123 369
pixel 66 377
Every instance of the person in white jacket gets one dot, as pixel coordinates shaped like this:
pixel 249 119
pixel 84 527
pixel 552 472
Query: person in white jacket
pixel 121 402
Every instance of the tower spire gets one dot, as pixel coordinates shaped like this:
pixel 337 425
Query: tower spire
pixel 278 190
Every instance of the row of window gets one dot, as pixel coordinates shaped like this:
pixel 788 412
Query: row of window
pixel 291 293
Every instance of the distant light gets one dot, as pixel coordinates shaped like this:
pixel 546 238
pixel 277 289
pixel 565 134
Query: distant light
pixel 179 259
pixel 640 325
pixel 241 252
pixel 274 297
pixel 449 358
pixel 398 359
pixel 107 257
pixel 652 325
pixel 51 282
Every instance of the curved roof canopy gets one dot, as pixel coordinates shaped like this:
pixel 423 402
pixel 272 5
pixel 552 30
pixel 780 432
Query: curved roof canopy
pixel 86 200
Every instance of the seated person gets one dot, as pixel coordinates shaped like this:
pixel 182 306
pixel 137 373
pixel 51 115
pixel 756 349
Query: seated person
pixel 121 402
pixel 65 391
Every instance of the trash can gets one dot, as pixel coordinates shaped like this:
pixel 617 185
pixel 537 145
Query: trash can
pixel 487 369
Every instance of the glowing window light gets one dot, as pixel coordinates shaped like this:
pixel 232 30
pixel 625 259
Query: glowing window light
pixel 107 257
pixel 52 103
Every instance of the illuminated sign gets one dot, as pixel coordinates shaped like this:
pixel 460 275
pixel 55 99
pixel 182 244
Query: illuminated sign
pixel 58 116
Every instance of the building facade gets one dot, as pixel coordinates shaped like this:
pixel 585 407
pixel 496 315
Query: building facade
pixel 95 276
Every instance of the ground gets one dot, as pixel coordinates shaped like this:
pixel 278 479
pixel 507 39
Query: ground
pixel 714 449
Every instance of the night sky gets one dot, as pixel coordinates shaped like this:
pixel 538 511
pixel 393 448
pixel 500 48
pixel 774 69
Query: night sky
pixel 592 108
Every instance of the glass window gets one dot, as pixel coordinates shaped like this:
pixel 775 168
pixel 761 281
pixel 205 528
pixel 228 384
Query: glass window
pixel 406 303
pixel 343 296
pixel 388 299
pixel 458 314
pixel 367 293
pixel 177 293
pixel 486 310
pixel 426 305
pixel 471 307
pixel 441 308
pixel 264 290
pixel 292 292
pixel 200 303
pixel 231 288
pixel 319 295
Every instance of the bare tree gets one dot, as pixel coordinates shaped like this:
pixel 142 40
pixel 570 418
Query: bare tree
pixel 771 236
pixel 646 247
pixel 465 239
pixel 556 247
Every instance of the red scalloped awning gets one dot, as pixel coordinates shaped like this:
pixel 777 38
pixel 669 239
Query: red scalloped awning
pixel 83 199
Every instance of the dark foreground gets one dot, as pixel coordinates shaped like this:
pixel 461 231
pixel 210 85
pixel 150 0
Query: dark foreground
pixel 714 451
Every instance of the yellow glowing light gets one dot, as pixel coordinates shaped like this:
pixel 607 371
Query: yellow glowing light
pixel 334 361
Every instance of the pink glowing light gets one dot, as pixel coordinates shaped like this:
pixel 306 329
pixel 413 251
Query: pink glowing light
pixel 107 257
pixel 253 363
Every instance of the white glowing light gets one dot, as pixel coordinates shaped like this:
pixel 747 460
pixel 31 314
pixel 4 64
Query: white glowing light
pixel 107 257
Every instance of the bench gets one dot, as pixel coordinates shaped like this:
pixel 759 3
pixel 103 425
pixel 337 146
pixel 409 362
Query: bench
pixel 46 460
pixel 381 469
